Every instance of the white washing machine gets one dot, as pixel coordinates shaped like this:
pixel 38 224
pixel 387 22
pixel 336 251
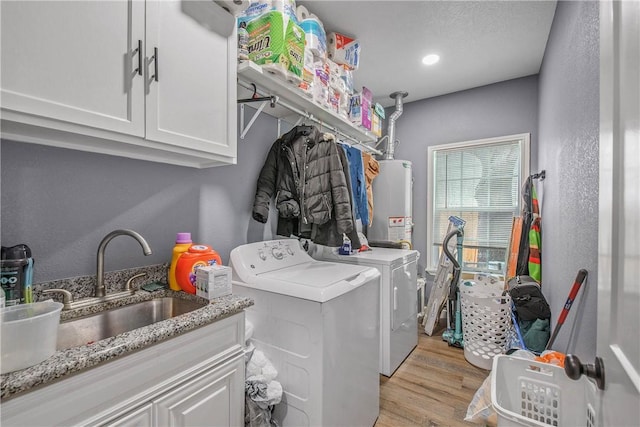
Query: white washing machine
pixel 318 323
pixel 398 298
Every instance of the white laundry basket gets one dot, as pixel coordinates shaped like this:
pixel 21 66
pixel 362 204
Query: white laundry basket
pixel 486 321
pixel 529 393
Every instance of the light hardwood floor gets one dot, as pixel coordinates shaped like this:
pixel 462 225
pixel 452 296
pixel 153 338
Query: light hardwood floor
pixel 432 387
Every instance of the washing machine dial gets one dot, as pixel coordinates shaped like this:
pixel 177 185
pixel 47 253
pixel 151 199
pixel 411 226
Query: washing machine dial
pixel 289 250
pixel 262 255
pixel 277 253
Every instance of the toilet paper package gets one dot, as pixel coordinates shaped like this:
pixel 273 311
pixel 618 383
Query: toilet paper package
pixel 355 108
pixel 255 8
pixel 360 108
pixel 287 8
pixel 236 7
pixel 344 104
pixel 321 83
pixel 308 74
pixel 367 102
pixel 343 50
pixel 335 76
pixel 213 281
pixel 259 7
pixel 302 13
pixel 347 76
pixel 333 100
pixel 315 36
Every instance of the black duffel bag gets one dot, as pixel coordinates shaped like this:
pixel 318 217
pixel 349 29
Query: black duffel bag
pixel 528 299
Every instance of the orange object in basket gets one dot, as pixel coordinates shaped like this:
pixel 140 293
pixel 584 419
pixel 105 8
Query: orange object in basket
pixel 552 357
pixel 196 256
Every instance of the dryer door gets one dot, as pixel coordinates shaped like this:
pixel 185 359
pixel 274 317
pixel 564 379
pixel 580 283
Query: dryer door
pixel 404 295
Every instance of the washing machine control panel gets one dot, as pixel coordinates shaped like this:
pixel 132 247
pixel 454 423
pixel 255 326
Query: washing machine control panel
pixel 261 257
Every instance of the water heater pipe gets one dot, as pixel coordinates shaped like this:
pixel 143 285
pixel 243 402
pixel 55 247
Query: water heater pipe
pixel 391 132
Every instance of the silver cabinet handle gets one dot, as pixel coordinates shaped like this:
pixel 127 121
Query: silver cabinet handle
pixel 138 50
pixel 155 64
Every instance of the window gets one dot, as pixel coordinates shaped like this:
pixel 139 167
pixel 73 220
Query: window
pixel 478 181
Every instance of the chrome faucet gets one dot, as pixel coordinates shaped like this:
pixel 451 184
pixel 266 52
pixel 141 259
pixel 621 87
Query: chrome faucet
pixel 100 288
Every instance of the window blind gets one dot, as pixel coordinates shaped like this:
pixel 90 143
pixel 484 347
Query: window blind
pixel 479 183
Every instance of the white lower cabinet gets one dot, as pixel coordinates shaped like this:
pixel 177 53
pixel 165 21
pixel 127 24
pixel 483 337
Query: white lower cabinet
pixel 194 379
pixel 203 401
pixel 140 417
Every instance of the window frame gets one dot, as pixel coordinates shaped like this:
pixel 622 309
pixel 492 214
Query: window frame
pixel 525 156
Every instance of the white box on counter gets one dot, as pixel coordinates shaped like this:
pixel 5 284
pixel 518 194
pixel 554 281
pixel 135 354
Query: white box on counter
pixel 213 281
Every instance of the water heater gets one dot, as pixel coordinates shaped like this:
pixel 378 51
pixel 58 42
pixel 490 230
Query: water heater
pixel 392 203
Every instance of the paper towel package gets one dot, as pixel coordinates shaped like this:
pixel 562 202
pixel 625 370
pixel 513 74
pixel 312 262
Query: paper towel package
pixel 278 49
pixel 343 50
pixel 266 41
pixel 294 43
pixel 377 117
pixel 213 281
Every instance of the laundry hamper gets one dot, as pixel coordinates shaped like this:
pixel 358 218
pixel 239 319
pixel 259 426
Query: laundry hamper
pixel 529 393
pixel 486 321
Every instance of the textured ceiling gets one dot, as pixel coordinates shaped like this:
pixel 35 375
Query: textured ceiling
pixel 479 42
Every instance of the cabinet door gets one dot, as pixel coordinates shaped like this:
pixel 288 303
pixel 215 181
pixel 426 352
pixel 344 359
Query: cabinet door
pixel 74 61
pixel 140 417
pixel 215 398
pixel 191 98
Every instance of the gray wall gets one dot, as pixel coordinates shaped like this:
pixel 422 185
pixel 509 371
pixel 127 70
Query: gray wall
pixel 499 109
pixel 62 202
pixel 568 151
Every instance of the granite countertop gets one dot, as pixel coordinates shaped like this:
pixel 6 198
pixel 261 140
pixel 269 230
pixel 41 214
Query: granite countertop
pixel 65 362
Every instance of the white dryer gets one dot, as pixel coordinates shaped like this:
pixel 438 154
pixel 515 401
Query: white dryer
pixel 398 298
pixel 318 323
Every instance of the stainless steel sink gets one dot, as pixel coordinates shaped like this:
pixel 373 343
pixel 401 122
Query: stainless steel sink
pixel 109 323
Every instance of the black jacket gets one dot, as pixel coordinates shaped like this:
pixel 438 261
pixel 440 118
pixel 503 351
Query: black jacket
pixel 304 171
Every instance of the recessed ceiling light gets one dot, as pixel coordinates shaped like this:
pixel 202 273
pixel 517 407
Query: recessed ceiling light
pixel 430 59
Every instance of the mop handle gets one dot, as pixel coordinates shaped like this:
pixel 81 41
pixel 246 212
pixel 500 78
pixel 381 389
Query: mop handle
pixel 582 274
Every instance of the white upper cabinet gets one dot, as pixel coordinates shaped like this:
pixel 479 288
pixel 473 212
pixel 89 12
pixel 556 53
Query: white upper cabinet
pixel 188 99
pixel 74 62
pixel 138 79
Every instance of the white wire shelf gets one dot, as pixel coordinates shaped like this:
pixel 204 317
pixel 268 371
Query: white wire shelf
pixel 291 100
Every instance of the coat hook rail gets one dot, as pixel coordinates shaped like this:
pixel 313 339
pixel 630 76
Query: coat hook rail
pixel 273 101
